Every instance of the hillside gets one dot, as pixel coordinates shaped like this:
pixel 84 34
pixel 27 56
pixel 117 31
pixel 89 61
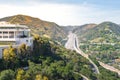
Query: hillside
pixel 78 29
pixel 68 28
pixel 106 32
pixel 84 28
pixel 48 61
pixel 38 26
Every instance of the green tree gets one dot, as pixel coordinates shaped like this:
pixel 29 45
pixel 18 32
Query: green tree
pixel 22 51
pixel 38 77
pixel 20 74
pixel 7 75
pixel 9 57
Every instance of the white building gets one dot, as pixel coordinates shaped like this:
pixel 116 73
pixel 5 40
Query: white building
pixel 15 35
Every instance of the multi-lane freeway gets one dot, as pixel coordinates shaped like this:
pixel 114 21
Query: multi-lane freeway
pixel 72 44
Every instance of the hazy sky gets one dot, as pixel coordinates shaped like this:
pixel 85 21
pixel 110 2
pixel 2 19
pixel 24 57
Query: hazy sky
pixel 64 12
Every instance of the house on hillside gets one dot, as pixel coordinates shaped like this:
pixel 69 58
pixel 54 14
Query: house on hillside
pixel 15 35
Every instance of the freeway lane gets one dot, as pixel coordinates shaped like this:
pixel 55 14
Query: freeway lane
pixel 72 44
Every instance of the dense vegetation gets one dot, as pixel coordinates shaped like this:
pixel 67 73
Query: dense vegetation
pixel 47 61
pixel 107 53
pixel 84 28
pixel 106 32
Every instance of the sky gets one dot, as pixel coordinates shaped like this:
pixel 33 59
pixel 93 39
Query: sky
pixel 64 12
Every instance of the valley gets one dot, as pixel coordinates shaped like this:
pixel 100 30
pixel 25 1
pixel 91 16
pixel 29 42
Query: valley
pixel 60 40
pixel 72 44
pixel 86 52
pixel 100 41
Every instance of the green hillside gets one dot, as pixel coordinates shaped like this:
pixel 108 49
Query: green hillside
pixel 48 61
pixel 83 28
pixel 106 32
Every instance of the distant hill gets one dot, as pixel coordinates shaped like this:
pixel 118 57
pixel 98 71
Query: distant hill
pixel 105 32
pixel 38 26
pixel 67 29
pixel 84 28
pixel 78 28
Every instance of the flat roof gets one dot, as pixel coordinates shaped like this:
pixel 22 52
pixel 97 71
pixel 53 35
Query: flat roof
pixel 7 25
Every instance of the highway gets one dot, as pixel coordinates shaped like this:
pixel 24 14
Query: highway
pixel 111 68
pixel 72 44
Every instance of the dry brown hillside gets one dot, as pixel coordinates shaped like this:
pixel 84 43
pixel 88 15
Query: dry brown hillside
pixel 38 26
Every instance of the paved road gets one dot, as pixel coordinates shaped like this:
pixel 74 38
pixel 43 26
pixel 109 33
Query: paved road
pixel 84 77
pixel 111 68
pixel 72 44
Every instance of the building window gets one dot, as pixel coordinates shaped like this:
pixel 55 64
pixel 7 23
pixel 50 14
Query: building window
pixel 11 32
pixel 26 40
pixel 11 36
pixel 5 32
pixel 5 36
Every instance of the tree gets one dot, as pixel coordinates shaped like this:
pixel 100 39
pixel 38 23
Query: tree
pixel 7 75
pixel 41 46
pixel 9 57
pixel 9 54
pixel 38 77
pixel 22 51
pixel 20 74
pixel 1 63
pixel 45 78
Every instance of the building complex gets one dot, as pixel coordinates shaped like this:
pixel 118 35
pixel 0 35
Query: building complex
pixel 15 35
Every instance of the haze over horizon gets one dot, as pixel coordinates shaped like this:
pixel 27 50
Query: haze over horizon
pixel 64 12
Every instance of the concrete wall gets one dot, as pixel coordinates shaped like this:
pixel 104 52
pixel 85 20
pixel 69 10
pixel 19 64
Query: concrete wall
pixel 0 53
pixel 27 41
